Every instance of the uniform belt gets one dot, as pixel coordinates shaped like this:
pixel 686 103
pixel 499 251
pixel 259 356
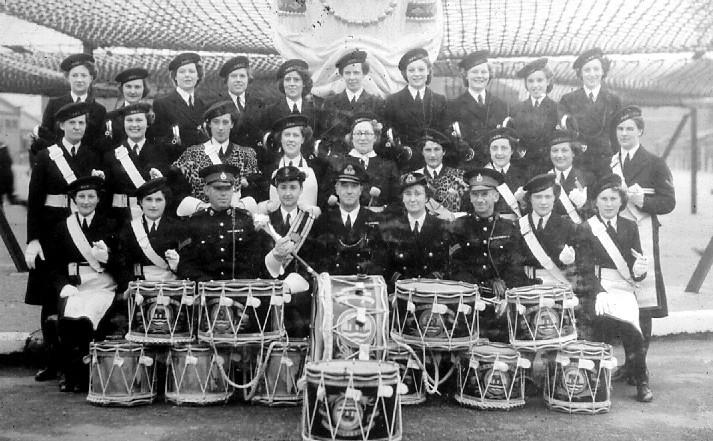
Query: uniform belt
pixel 57 201
pixel 80 269
pixel 607 273
pixel 531 271
pixel 123 201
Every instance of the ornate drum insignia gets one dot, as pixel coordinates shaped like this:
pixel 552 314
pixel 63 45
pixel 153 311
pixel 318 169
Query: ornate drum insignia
pixel 496 383
pixel 574 380
pixel 160 318
pixel 545 321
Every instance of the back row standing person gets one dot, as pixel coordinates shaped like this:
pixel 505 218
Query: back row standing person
pixel 132 89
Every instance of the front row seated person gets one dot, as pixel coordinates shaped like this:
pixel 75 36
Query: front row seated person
pixel 612 273
pixel 82 274
pixel 416 242
pixel 486 248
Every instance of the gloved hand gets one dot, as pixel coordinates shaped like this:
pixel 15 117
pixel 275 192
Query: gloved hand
pixel 99 173
pixel 636 195
pixel 520 194
pixel 68 291
pixel 567 255
pixel 601 305
pixel 172 257
pixel 267 207
pixel 499 288
pixel 190 206
pixel 244 182
pixel 375 192
pixel 578 196
pixel 33 250
pixel 283 248
pixel 332 200
pixel 155 173
pixel 313 210
pixel 641 264
pixel 100 251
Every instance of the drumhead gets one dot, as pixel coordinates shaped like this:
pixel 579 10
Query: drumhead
pixel 256 287
pixel 532 293
pixel 431 287
pixel 167 288
pixel 121 345
pixel 359 368
pixel 587 349
pixel 493 349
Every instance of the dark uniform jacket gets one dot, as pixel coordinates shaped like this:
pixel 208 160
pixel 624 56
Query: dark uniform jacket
pixel 247 131
pixel 515 178
pixel 594 121
pixel 556 233
pixel 383 174
pixel 476 120
pixel 408 120
pixel 310 108
pixel 339 251
pixel 49 133
pixel 337 114
pixel 171 110
pixel 130 257
pixel 585 179
pixel 535 126
pixel 222 245
pixel 411 255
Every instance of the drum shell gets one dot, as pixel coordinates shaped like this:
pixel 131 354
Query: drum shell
pixel 165 314
pixel 410 373
pixel 539 316
pixel 278 385
pixel 196 374
pixel 121 374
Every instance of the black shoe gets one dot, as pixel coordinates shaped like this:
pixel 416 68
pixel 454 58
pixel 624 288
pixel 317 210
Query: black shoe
pixel 66 386
pixel 643 393
pixel 46 374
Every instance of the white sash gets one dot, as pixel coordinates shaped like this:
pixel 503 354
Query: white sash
pixel 143 240
pixel 57 156
pixel 569 207
pixel 122 154
pixel 509 198
pixel 211 152
pixel 600 232
pixel 81 242
pixel 536 248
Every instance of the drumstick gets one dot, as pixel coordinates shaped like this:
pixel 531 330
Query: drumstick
pixel 268 228
pixel 637 254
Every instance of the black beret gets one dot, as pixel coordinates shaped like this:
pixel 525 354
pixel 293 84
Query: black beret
pixel 86 183
pixel 151 187
pixel 363 116
pixel 351 172
pixel 411 56
pixel 474 59
pixel 412 178
pixel 71 110
pixel 560 136
pixel 218 109
pixel 355 56
pixel 75 60
pixel 586 57
pixel 135 108
pixel 483 178
pixel 502 132
pixel 183 59
pixel 539 183
pixel 434 136
pixel 290 121
pixel 291 66
pixel 531 67
pixel 605 183
pixel 288 173
pixel 627 112
pixel 225 173
pixel 134 73
pixel 239 62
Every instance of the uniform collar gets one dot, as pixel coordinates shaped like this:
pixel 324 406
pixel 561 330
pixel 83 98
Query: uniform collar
pixel 412 221
pixel 234 98
pixel 536 219
pixel 291 104
pixel 421 92
pixel 594 91
pixel 351 95
pixel 476 95
pixel 185 95
pixel 69 146
pixel 631 152
pixel 352 214
pixel 82 98
pixel 89 218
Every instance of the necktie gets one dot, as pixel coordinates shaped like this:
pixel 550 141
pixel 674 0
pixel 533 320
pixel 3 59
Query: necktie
pixel 539 225
pixel 591 96
pixel 73 151
pixel 295 110
pixel 348 223
pixel 435 174
pixel 362 162
pixel 610 228
pixel 153 228
pixel 480 100
pixel 241 108
pixel 85 226
pixel 418 99
pixel 222 153
pixel 415 228
pixel 190 102
pixel 353 101
pixel 627 164
pixel 562 178
pixel 291 165
pixel 502 171
pixel 537 103
pixel 78 100
pixel 135 148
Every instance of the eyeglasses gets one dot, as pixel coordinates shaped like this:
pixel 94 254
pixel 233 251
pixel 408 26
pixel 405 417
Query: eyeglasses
pixel 363 133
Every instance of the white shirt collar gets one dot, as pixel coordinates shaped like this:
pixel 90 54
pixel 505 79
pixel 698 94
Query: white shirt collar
pixel 68 146
pixel 351 94
pixel 533 100
pixel 291 104
pixel 631 152
pixel 356 154
pixel 83 98
pixel 612 221
pixel 421 92
pixel 221 146
pixel 150 222
pixel 235 98
pixel 185 95
pixel 352 214
pixel 476 95
pixel 89 218
pixel 293 214
pixel 566 173
pixel 431 170
pixel 412 221
pixel 536 219
pixel 498 169
pixel 594 91
pixel 140 143
pixel 296 162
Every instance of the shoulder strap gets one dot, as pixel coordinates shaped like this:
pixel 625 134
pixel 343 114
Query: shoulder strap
pixel 536 248
pixel 122 154
pixel 212 152
pixel 600 232
pixel 143 240
pixel 57 156
pixel 569 207
pixel 81 242
pixel 509 198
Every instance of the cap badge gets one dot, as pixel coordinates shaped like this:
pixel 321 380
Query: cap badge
pixel 410 179
pixel 479 178
pixel 349 170
pixel 223 177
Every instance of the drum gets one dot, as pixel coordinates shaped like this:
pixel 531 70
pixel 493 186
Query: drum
pixel 121 374
pixel 284 365
pixel 578 377
pixel 351 399
pixel 437 314
pixel 197 374
pixel 491 376
pixel 161 312
pixel 411 374
pixel 240 311
pixel 351 318
pixel 541 316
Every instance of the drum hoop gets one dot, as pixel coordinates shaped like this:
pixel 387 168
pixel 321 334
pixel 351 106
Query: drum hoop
pixel 108 400
pixel 466 289
pixel 487 403
pixel 593 408
pixel 588 350
pixel 125 346
pixel 532 293
pixel 168 288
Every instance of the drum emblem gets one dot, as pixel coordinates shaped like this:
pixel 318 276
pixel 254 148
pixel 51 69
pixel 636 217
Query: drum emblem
pixel 353 332
pixel 160 318
pixel 224 318
pixel 435 325
pixel 545 320
pixel 574 380
pixel 497 384
pixel 347 414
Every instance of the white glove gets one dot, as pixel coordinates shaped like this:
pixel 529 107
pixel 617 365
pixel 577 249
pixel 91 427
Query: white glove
pixel 283 248
pixel 295 283
pixel 636 195
pixel 100 251
pixel 641 264
pixel 155 173
pixel 267 207
pixel 33 250
pixel 332 200
pixel 601 305
pixel 235 199
pixel 567 255
pixel 172 257
pixel 520 194
pixel 68 291
pixel 578 196
pixel 375 192
pixel 190 206
pixel 310 209
pixel 244 182
pixel 248 203
pixel 99 173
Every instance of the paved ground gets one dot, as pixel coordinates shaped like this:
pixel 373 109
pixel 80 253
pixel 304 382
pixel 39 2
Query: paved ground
pixel 682 380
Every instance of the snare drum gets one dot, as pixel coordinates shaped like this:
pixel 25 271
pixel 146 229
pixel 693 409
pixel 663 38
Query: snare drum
pixel 437 314
pixel 121 374
pixel 240 311
pixel 578 378
pixel 491 376
pixel 197 374
pixel 541 316
pixel 352 399
pixel 410 372
pixel 284 365
pixel 161 312
pixel 351 318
